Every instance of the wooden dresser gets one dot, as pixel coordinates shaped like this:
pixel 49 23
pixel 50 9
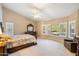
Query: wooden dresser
pixel 30 30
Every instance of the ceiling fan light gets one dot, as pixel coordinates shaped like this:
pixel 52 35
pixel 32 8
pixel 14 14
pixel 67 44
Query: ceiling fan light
pixel 37 16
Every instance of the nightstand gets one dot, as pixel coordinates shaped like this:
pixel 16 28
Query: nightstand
pixel 3 50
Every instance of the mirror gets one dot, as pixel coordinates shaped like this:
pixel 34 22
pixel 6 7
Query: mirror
pixel 30 28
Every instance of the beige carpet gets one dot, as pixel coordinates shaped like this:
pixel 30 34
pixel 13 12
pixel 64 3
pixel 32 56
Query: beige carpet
pixel 44 48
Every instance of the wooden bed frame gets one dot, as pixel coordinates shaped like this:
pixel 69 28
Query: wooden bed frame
pixel 14 49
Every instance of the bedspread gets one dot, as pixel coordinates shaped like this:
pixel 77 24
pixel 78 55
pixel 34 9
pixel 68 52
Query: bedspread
pixel 20 40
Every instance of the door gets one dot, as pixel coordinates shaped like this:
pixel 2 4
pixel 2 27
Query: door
pixel 9 28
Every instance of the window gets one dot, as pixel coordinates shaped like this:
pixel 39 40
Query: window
pixel 63 29
pixel 55 29
pixel 46 29
pixel 71 29
pixel 66 29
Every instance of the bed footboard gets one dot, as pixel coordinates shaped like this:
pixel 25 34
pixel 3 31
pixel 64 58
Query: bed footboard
pixel 14 49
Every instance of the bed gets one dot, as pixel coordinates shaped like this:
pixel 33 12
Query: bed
pixel 20 42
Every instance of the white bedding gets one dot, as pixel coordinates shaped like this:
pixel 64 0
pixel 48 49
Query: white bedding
pixel 20 40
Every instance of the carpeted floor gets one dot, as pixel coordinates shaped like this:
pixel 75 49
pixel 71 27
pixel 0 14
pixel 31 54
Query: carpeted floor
pixel 44 48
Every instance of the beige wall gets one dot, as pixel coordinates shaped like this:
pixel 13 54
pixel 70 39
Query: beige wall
pixel 77 23
pixel 1 19
pixel 20 22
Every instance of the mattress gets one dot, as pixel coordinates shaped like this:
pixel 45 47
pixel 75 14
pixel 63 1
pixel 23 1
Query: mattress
pixel 21 40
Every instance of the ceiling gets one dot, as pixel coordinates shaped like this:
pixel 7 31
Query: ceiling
pixel 43 11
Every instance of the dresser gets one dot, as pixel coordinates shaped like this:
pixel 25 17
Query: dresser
pixel 30 30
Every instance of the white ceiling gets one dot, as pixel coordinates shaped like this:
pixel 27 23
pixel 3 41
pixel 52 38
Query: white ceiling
pixel 43 11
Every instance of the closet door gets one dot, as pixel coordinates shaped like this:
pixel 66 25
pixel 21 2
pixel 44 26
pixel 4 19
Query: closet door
pixel 71 29
pixel 9 28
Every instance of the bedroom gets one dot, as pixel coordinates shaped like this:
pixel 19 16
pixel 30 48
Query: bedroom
pixel 49 28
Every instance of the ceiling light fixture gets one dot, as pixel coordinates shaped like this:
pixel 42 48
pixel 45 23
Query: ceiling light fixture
pixel 37 16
